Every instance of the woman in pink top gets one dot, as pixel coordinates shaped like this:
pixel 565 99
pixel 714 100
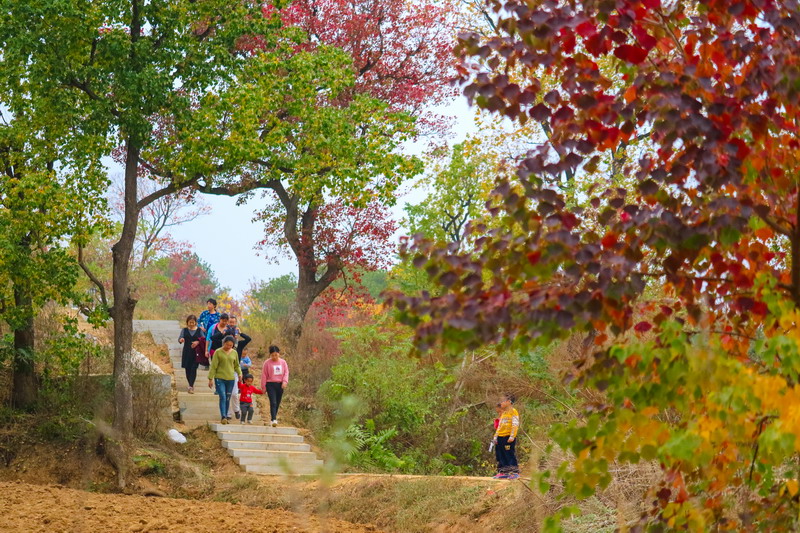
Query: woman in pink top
pixel 274 377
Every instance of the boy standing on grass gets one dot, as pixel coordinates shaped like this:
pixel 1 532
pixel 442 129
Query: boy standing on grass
pixel 505 439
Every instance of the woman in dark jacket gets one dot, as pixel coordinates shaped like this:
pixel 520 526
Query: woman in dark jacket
pixel 190 337
pixel 216 334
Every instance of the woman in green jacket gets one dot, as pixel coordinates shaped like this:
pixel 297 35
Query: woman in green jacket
pixel 224 369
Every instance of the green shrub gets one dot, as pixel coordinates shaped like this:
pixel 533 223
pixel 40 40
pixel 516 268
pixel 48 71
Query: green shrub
pixel 398 399
pixel 149 466
pixel 370 447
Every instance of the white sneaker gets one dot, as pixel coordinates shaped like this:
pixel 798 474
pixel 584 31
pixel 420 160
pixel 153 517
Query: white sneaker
pixel 274 423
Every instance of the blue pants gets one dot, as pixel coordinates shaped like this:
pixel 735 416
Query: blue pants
pixel 506 455
pixel 224 390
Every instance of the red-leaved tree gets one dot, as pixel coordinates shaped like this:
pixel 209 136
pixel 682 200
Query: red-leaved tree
pixel 685 286
pixel 401 55
pixel 331 241
pixel 193 278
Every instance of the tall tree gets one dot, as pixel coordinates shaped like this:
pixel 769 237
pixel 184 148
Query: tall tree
pixel 43 205
pixel 114 66
pixel 458 191
pixel 702 377
pixel 401 53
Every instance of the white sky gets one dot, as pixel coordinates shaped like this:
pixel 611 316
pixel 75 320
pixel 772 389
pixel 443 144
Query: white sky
pixel 226 237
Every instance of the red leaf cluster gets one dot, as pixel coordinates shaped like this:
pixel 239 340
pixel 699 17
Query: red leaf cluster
pixel 402 51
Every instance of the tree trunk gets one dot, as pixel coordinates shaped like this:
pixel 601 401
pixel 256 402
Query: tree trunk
pixel 25 384
pixel 122 315
pixel 303 247
pixel 308 289
pixel 296 316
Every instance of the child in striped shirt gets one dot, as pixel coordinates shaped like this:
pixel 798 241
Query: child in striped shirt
pixel 505 439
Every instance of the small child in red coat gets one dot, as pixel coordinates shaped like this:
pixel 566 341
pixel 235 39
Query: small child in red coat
pixel 246 391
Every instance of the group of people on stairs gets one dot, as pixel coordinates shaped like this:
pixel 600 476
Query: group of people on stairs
pixel 215 342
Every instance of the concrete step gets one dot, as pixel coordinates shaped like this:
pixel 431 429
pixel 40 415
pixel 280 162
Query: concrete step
pixel 282 470
pixel 263 445
pixel 208 411
pixel 277 461
pixel 201 398
pixel 200 385
pixel 204 397
pixel 213 418
pixel 286 439
pixel 204 409
pixel 274 455
pixel 201 378
pixel 187 414
pixel 203 406
pixel 268 430
pixel 200 390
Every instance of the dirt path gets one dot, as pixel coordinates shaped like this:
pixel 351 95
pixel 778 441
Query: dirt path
pixel 57 509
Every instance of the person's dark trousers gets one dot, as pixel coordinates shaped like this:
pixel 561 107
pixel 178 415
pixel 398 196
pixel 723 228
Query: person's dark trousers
pixel 275 393
pixel 191 373
pixel 225 390
pixel 507 455
pixel 247 411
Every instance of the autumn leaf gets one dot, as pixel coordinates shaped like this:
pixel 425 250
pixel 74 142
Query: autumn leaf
pixel 630 53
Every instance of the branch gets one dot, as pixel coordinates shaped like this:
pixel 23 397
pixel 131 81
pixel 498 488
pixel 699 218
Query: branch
pixel 773 224
pixel 160 193
pixel 94 279
pixel 84 86
pixel 718 332
pixel 334 269
pixel 235 190
pixel 761 423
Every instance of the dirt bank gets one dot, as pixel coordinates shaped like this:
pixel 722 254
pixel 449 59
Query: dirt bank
pixel 54 508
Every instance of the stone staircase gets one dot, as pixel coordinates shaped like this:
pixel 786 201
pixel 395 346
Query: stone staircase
pixel 268 450
pixel 257 448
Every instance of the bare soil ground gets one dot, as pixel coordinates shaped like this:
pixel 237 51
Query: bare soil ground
pixel 56 508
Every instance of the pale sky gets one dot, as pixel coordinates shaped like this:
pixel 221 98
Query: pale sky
pixel 226 237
